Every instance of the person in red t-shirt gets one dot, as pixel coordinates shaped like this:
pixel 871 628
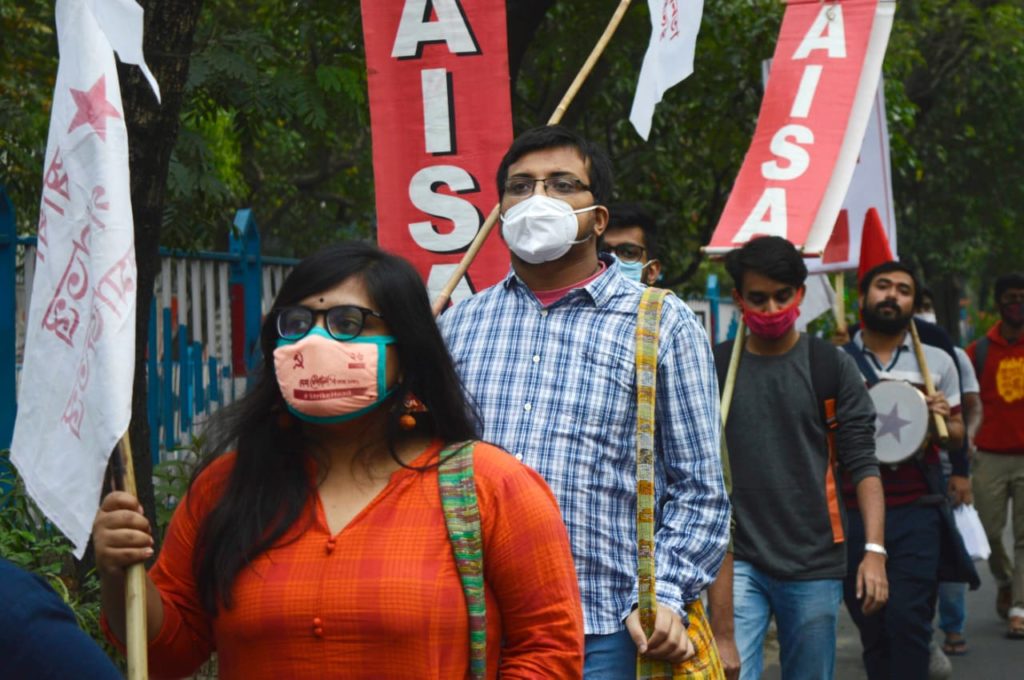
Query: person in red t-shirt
pixel 998 464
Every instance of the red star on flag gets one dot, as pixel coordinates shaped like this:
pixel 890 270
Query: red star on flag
pixel 93 108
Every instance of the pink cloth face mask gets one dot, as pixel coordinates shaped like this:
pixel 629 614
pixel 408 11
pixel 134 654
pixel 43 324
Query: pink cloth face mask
pixel 324 380
pixel 776 324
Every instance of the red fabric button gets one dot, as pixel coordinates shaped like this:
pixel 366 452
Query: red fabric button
pixel 329 548
pixel 318 631
pixel 318 621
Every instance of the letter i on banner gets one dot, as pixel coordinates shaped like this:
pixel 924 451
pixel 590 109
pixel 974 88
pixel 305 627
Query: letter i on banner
pixel 74 403
pixel 441 119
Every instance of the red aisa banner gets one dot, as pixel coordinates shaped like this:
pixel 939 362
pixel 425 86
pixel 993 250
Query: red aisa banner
pixel 441 120
pixel 815 109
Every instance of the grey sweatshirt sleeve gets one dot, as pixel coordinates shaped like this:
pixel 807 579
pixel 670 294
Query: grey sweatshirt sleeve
pixel 855 438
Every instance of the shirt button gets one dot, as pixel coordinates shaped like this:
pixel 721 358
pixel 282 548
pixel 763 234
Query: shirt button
pixel 543 312
pixel 318 631
pixel 536 358
pixel 527 407
pixel 519 456
pixel 317 621
pixel 329 548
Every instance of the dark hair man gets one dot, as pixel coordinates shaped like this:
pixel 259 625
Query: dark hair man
pixel 999 460
pixel 789 545
pixel 548 356
pixel 896 639
pixel 632 237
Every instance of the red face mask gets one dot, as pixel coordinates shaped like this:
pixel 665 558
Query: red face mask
pixel 774 325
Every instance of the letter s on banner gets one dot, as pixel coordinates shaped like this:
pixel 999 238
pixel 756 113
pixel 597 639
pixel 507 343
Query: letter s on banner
pixel 462 213
pixel 797 156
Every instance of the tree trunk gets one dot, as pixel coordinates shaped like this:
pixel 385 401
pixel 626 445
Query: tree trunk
pixel 946 301
pixel 152 132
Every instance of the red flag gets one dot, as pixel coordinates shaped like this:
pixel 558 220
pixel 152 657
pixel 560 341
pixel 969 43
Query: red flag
pixel 838 248
pixel 874 244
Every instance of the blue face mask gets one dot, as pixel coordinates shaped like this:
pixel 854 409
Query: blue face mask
pixel 632 270
pixel 325 380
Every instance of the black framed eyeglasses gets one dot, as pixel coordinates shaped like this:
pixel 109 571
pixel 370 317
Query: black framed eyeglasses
pixel 558 185
pixel 627 252
pixel 343 322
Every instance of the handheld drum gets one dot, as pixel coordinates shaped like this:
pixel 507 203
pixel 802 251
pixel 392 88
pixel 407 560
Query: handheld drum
pixel 901 420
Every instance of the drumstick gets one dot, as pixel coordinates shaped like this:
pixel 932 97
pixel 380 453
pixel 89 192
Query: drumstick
pixel 929 386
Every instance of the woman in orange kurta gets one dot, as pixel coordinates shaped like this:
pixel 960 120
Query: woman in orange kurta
pixel 318 548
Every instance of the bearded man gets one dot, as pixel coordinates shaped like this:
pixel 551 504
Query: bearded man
pixel 896 639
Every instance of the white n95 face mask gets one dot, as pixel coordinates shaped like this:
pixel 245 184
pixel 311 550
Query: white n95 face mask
pixel 541 228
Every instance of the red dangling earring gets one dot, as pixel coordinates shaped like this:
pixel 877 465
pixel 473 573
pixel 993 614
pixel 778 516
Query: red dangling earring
pixel 411 405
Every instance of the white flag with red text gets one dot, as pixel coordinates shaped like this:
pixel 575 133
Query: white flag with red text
pixel 74 401
pixel 669 57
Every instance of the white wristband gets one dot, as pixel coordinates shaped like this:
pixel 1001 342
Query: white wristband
pixel 875 548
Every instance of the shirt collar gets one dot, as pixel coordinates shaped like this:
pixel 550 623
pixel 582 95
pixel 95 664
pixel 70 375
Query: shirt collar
pixel 858 339
pixel 995 336
pixel 600 291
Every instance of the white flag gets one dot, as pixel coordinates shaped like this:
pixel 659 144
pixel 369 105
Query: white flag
pixel 818 299
pixel 74 402
pixel 669 57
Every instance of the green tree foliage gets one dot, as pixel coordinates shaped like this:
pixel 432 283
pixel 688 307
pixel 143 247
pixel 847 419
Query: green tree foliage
pixel 956 115
pixel 276 118
pixel 28 69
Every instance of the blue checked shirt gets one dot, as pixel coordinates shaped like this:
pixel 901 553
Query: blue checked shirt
pixel 557 388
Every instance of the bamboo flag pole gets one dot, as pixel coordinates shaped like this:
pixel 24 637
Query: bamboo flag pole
pixel 135 585
pixel 840 306
pixel 485 229
pixel 727 389
pixel 929 386
pixel 730 376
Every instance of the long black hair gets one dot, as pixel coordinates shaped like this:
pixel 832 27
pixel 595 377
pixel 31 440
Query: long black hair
pixel 268 489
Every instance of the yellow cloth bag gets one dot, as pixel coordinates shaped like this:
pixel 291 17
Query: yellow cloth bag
pixel 706 663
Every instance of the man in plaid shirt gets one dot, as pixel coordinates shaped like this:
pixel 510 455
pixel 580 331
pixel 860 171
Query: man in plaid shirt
pixel 548 356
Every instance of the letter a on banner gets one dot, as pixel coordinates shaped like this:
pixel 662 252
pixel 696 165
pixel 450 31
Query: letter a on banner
pixel 816 107
pixel 441 120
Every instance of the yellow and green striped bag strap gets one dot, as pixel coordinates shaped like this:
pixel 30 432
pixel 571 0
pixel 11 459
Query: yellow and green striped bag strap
pixel 462 519
pixel 705 664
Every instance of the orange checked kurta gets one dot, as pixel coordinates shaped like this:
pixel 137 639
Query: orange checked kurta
pixel 382 598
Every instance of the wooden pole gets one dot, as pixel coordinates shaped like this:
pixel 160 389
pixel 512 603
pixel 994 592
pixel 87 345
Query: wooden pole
pixel 730 377
pixel 135 585
pixel 485 229
pixel 840 306
pixel 929 386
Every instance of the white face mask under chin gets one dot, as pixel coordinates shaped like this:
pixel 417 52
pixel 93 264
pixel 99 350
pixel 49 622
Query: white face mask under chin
pixel 541 228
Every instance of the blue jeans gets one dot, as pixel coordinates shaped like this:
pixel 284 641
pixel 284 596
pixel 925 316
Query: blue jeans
pixel 952 607
pixel 806 615
pixel 609 657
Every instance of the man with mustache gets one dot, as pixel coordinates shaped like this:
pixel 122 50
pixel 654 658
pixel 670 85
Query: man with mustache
pixel 896 639
pixel 999 460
